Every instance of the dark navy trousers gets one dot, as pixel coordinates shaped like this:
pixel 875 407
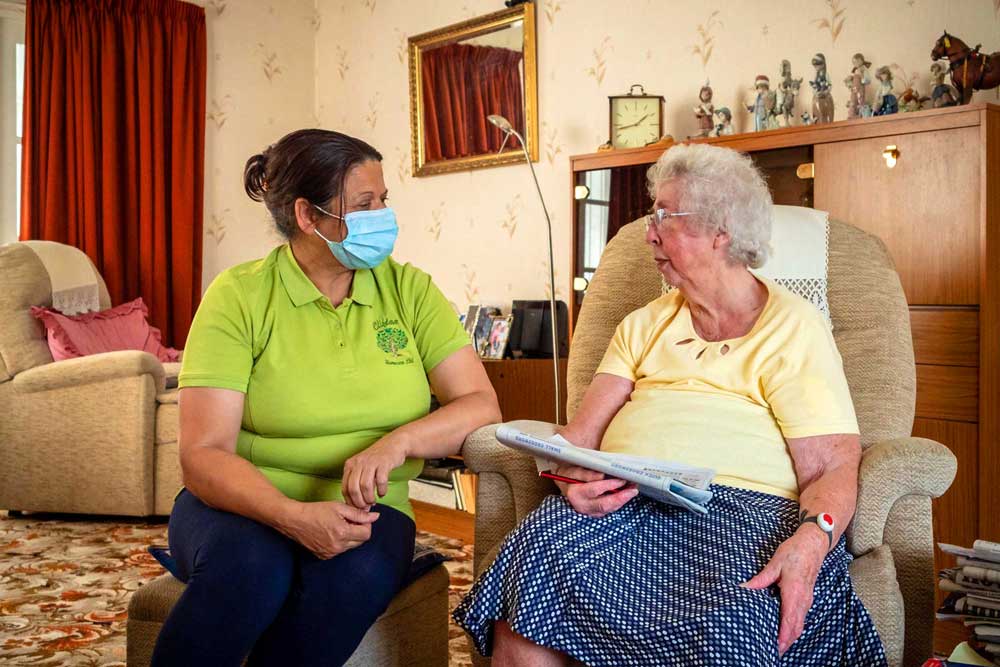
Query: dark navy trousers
pixel 253 591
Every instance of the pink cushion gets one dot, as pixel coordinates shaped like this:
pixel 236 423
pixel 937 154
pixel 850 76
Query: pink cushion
pixel 123 327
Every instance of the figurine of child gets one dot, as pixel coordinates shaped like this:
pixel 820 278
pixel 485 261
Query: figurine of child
pixel 725 125
pixel 788 89
pixel 858 82
pixel 822 100
pixel 704 112
pixel 943 94
pixel 885 100
pixel 763 108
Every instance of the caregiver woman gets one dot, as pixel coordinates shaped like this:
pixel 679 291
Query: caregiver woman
pixel 304 412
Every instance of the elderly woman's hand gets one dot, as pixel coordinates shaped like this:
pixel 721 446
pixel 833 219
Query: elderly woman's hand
pixel 327 528
pixel 367 472
pixel 793 568
pixel 597 496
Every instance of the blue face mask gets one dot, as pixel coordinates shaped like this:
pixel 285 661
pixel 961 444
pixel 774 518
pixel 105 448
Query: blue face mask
pixel 370 238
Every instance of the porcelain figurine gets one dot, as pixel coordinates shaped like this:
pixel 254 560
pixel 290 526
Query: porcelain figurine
pixel 911 100
pixel 705 111
pixel 788 90
pixel 725 125
pixel 942 94
pixel 764 107
pixel 857 83
pixel 822 110
pixel 885 100
pixel 971 69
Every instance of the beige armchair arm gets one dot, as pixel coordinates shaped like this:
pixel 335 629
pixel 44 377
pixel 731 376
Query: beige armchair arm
pixel 88 370
pixel 509 485
pixel 891 471
pixel 897 480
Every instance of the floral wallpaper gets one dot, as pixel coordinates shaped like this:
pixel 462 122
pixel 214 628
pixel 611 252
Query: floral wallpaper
pixel 342 64
pixel 260 87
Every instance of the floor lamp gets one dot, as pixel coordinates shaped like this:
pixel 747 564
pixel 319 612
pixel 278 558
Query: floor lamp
pixel 504 125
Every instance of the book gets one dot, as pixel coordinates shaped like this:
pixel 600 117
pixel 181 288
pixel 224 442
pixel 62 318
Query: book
pixel 672 483
pixel 466 488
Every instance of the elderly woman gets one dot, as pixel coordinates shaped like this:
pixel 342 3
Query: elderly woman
pixel 304 413
pixel 728 371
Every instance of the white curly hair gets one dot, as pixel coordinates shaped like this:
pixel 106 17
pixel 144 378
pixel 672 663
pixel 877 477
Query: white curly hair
pixel 726 190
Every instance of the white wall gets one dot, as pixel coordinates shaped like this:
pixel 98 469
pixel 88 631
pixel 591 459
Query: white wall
pixel 260 87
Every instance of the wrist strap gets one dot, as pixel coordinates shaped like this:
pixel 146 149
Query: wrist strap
pixel 823 521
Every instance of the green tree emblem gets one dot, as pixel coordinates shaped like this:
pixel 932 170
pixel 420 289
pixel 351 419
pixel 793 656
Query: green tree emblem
pixel 392 340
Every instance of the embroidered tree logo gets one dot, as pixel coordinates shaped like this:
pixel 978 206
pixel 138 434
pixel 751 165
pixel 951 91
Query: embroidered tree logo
pixel 392 340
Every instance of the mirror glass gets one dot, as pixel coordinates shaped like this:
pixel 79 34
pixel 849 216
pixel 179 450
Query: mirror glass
pixel 462 74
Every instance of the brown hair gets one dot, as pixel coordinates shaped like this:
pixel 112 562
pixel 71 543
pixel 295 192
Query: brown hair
pixel 311 164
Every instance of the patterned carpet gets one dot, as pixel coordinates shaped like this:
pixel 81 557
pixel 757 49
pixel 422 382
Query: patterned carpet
pixel 65 584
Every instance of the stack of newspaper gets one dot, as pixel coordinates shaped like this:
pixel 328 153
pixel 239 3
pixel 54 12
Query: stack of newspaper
pixel 973 589
pixel 673 483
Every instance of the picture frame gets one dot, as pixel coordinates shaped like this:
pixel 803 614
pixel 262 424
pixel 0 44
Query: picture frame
pixel 481 330
pixel 496 343
pixel 469 321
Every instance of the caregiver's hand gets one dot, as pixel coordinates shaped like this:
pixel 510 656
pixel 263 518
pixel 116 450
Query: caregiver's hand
pixel 367 472
pixel 328 528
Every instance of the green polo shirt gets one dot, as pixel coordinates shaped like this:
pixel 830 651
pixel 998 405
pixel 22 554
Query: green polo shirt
pixel 321 383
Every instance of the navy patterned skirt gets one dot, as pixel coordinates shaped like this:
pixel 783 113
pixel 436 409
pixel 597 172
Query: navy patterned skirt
pixel 652 584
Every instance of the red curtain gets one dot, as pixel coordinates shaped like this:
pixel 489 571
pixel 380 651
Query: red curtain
pixel 629 197
pixel 114 145
pixel 462 85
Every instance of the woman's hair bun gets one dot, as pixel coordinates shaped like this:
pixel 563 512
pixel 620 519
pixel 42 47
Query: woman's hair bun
pixel 255 177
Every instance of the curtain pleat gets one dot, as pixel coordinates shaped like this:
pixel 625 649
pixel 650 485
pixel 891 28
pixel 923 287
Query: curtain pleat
pixel 114 145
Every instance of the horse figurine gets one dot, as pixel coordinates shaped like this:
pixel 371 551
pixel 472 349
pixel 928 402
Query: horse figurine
pixel 970 69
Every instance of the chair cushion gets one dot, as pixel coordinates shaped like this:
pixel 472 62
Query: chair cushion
pixel 123 327
pixel 167 417
pixel 154 600
pixel 874 578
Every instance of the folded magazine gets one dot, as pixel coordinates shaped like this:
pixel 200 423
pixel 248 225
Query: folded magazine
pixel 672 483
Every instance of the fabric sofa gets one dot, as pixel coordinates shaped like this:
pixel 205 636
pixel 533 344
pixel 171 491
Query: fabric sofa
pixel 91 435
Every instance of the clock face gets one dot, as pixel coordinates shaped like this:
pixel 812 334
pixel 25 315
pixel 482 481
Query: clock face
pixel 635 121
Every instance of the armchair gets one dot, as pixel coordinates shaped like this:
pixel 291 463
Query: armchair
pixel 93 435
pixel 891 535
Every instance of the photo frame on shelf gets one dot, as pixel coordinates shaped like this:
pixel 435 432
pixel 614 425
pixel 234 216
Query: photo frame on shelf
pixel 469 321
pixel 496 343
pixel 481 331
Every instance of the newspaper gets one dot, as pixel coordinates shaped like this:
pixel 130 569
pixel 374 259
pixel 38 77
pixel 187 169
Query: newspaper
pixel 981 550
pixel 672 483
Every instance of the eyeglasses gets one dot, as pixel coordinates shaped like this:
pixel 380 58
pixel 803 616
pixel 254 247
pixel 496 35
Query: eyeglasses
pixel 656 218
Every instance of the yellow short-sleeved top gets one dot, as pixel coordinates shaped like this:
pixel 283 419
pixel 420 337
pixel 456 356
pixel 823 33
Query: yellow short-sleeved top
pixel 728 405
pixel 321 383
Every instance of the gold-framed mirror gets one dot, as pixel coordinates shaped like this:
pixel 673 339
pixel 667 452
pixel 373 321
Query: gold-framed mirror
pixel 462 73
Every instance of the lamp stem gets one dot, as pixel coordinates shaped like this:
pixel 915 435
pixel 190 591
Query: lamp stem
pixel 552 276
